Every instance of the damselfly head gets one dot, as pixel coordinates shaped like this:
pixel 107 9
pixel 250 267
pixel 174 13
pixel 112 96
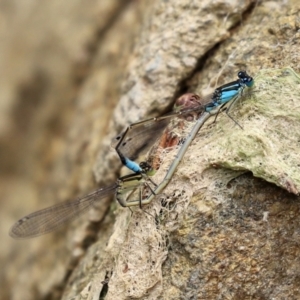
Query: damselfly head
pixel 145 167
pixel 245 78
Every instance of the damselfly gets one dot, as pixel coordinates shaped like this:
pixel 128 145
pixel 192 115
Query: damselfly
pixel 139 136
pixel 51 218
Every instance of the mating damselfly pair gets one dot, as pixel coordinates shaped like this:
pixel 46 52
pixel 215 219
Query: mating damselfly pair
pixel 135 139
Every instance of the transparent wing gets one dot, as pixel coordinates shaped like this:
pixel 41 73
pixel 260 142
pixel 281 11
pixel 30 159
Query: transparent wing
pixel 140 136
pixel 49 219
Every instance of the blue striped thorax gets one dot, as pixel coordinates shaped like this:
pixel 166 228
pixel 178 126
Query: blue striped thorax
pixel 229 91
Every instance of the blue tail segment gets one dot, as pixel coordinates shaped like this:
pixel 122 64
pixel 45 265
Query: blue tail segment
pixel 141 168
pixel 132 165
